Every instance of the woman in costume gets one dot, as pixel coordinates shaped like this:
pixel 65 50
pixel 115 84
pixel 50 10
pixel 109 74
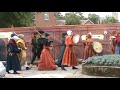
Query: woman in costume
pixel 46 61
pixel 69 57
pixel 13 62
pixel 88 49
pixel 62 50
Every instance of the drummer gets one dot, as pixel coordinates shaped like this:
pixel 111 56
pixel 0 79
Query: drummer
pixel 69 57
pixel 88 48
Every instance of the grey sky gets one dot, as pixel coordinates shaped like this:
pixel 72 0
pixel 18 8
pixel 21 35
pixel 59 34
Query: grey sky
pixel 101 14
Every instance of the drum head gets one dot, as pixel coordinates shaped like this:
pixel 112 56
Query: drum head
pixel 97 47
pixel 76 38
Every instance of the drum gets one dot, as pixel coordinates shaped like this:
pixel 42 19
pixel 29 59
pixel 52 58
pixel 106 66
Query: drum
pixel 76 38
pixel 97 47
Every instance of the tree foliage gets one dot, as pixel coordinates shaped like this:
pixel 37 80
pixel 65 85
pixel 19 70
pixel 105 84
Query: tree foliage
pixel 17 19
pixel 72 19
pixel 94 18
pixel 59 16
pixel 109 20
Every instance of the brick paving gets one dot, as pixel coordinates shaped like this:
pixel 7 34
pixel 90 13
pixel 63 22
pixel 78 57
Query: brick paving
pixel 34 73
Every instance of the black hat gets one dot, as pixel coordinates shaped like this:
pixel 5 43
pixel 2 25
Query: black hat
pixel 40 31
pixel 46 34
pixel 13 34
pixel 51 41
pixel 63 34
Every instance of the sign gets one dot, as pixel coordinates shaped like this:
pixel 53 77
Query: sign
pixel 98 36
pixel 5 35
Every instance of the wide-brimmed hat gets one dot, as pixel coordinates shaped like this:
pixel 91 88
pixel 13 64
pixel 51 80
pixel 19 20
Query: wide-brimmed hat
pixel 40 31
pixel 20 35
pixel 64 33
pixel 46 34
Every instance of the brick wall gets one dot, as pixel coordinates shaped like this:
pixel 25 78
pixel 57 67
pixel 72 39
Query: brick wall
pixel 56 31
pixel 40 21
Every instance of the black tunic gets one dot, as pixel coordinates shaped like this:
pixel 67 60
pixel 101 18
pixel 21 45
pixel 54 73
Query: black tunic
pixel 61 52
pixel 12 58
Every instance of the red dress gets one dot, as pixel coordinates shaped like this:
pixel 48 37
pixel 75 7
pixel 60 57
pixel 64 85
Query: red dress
pixel 46 61
pixel 69 57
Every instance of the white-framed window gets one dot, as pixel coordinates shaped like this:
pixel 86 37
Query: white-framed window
pixel 46 16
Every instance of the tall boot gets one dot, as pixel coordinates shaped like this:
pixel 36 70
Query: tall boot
pixel 8 72
pixel 63 68
pixel 15 72
pixel 74 67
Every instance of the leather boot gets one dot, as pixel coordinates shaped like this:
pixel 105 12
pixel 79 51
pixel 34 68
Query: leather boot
pixel 63 68
pixel 15 72
pixel 74 68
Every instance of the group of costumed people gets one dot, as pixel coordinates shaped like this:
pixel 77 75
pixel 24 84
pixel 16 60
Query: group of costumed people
pixel 45 60
pixel 41 45
pixel 88 50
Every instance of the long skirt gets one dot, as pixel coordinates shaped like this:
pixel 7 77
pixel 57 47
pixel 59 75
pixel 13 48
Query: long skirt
pixel 13 63
pixel 69 57
pixel 88 52
pixel 46 61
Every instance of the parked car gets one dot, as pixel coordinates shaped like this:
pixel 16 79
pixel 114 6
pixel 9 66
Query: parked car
pixel 2 70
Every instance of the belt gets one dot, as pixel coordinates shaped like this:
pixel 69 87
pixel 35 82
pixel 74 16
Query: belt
pixel 10 54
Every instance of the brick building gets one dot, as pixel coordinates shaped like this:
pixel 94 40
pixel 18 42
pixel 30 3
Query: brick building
pixel 45 18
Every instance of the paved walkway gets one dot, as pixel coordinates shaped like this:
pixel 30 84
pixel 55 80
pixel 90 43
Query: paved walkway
pixel 34 73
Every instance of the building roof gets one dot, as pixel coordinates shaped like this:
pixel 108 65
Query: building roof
pixel 86 21
pixel 62 22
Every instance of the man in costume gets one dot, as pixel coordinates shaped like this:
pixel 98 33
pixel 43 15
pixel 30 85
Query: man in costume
pixel 62 50
pixel 13 62
pixel 46 61
pixel 37 46
pixel 69 57
pixel 117 43
pixel 21 43
pixel 112 41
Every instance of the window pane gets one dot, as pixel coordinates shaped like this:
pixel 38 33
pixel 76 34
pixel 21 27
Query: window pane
pixel 46 16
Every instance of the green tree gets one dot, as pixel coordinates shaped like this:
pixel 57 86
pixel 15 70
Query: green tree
pixel 109 20
pixel 72 19
pixel 17 19
pixel 59 16
pixel 94 18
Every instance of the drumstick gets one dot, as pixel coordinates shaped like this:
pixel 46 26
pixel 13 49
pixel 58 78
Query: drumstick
pixel 13 30
pixel 36 30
